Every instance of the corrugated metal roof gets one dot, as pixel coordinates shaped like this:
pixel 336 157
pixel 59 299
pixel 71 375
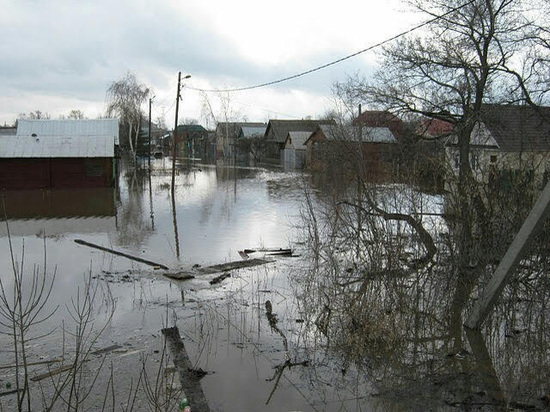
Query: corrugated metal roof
pixel 69 128
pixel 56 146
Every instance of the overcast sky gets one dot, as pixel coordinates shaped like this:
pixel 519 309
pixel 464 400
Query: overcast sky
pixel 60 55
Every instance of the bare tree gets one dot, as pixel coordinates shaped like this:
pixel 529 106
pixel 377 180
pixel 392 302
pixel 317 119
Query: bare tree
pixel 475 52
pixel 125 98
pixel 469 57
pixel 76 114
pixel 36 115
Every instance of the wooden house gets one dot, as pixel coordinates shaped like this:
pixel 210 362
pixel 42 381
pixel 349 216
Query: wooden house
pixel 251 144
pixel 295 150
pixel 370 149
pixel 193 142
pixel 277 133
pixel 508 142
pixel 227 138
pixel 59 154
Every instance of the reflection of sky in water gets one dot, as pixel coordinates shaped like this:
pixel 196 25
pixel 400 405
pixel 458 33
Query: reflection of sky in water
pixel 216 216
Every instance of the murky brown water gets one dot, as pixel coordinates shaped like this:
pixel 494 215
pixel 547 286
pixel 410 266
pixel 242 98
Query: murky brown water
pixel 382 344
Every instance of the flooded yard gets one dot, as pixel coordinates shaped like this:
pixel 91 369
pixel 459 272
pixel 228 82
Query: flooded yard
pixel 307 332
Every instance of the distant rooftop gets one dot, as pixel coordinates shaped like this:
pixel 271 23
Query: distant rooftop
pixel 253 131
pixel 280 128
pixel 351 133
pixel 8 131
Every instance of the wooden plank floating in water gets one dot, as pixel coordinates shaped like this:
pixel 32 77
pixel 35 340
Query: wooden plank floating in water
pixel 270 251
pixel 179 275
pixel 220 278
pixel 240 264
pixel 116 252
pixel 182 274
pixel 209 270
pixel 189 380
pixel 53 372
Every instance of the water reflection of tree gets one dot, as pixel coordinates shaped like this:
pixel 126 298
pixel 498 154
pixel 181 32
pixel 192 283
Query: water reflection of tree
pixel 386 304
pixel 132 226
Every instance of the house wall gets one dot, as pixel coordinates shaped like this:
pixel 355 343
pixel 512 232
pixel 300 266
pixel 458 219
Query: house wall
pixel 50 204
pixel 42 173
pixel 273 148
pixel 376 159
pixel 487 163
pixel 293 159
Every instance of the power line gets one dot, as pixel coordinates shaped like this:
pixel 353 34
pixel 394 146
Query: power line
pixel 334 62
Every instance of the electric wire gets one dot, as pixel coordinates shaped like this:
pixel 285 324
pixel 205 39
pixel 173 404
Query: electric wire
pixel 334 62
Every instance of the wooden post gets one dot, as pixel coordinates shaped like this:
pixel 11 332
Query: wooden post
pixel 511 259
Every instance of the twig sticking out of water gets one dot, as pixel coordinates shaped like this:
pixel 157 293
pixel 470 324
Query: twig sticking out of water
pixel 272 319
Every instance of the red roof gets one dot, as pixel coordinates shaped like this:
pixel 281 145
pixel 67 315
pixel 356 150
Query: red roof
pixel 380 118
pixel 435 128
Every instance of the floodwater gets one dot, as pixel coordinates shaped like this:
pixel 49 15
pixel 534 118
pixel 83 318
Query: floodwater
pixel 274 337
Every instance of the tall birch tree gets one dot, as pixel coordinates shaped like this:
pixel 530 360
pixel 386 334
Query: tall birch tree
pixel 125 98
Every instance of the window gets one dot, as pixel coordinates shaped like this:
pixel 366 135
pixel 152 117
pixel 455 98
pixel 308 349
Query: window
pixel 474 161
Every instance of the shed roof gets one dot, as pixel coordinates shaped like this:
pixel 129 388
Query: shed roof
pixel 57 146
pixel 69 128
pixel 350 133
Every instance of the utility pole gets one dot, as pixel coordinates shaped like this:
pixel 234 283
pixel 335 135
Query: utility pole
pixel 175 137
pixel 149 161
pixel 510 261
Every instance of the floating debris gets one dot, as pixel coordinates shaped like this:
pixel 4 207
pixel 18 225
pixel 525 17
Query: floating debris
pixel 220 278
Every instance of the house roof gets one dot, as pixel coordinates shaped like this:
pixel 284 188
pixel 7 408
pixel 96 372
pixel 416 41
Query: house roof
pixel 280 128
pixel 191 128
pixel 351 133
pixel 233 129
pixel 518 128
pixel 380 118
pixel 433 128
pixel 7 131
pixel 69 128
pixel 41 146
pixel 297 140
pixel 253 131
